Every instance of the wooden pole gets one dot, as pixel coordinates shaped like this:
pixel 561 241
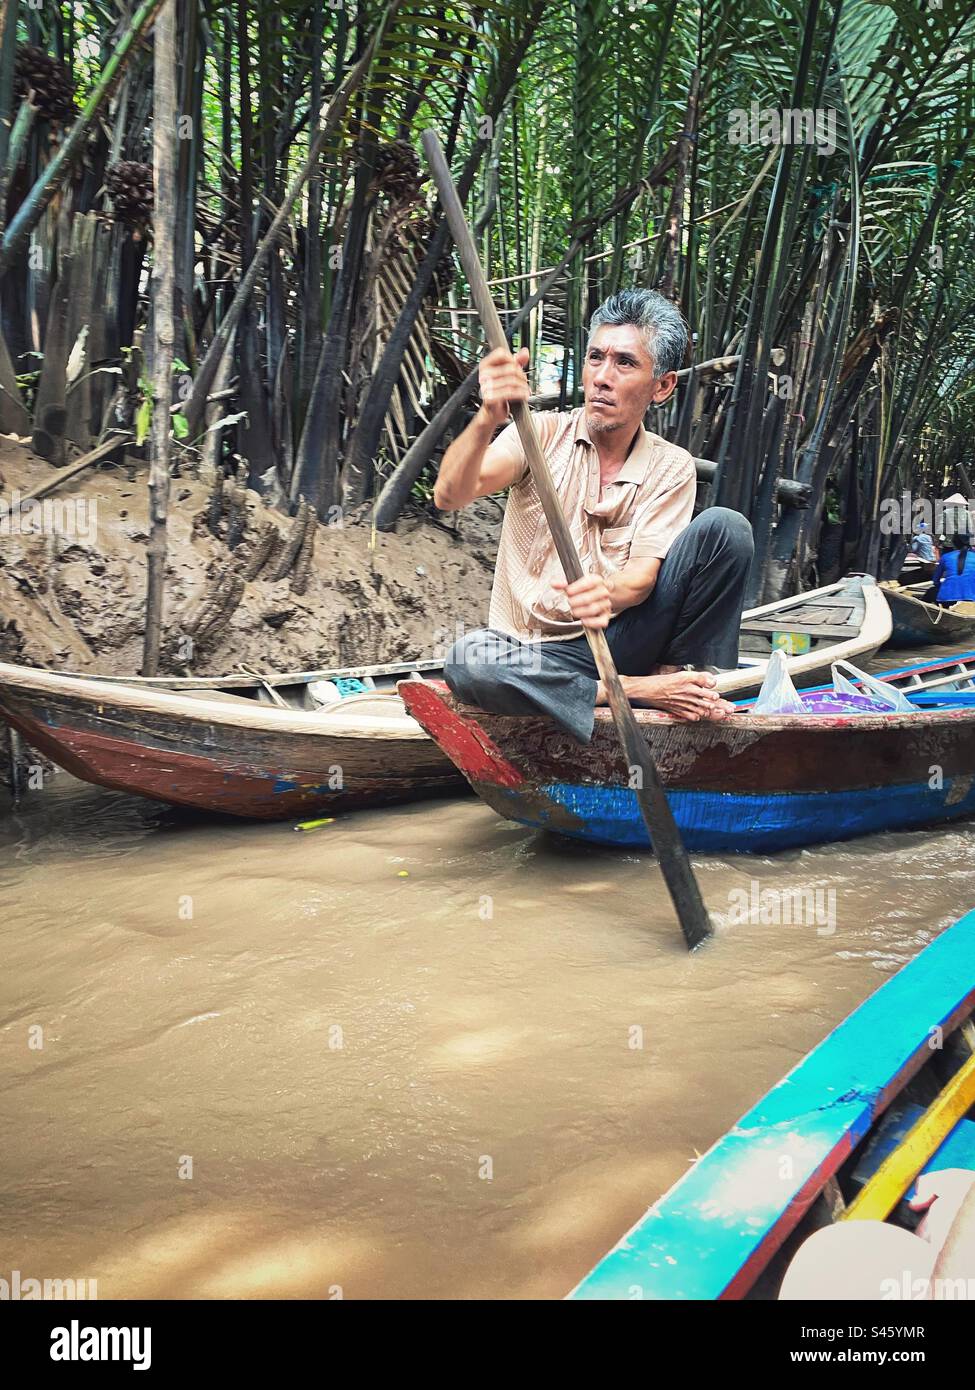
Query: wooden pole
pixel 13 742
pixel 163 289
pixel 676 867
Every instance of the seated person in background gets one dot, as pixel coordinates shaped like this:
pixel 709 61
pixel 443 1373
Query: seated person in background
pixel 954 577
pixel 874 1260
pixel 922 545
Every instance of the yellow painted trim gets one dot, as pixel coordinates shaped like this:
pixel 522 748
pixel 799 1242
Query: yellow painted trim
pixel 878 1197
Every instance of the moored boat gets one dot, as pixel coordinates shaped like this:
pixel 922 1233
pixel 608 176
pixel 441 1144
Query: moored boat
pixel 247 746
pixel 746 783
pixel 846 621
pixel 842 1136
pixel 915 623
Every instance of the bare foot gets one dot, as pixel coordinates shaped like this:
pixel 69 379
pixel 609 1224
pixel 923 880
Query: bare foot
pixel 689 695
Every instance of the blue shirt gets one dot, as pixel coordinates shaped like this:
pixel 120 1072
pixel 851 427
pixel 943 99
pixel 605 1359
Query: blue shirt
pixel 923 546
pixel 949 584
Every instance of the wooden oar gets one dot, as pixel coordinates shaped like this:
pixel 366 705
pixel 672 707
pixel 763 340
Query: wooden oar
pixel 677 871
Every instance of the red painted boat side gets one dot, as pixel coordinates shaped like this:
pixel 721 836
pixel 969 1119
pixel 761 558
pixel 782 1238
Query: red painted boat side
pixel 185 758
pixel 461 738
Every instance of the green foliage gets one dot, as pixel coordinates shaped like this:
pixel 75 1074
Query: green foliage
pixel 143 416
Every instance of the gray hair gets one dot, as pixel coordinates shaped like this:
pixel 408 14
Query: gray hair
pixel 659 319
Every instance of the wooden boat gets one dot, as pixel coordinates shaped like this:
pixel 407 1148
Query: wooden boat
pixel 843 1136
pixel 846 621
pixel 915 570
pixel 915 623
pixel 746 783
pixel 267 747
pixel 250 746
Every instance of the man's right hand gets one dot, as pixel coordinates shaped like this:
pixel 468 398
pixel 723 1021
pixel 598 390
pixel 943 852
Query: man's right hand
pixel 502 380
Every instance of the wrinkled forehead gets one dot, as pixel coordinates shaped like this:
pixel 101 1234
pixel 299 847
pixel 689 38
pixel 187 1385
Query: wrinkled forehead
pixel 614 339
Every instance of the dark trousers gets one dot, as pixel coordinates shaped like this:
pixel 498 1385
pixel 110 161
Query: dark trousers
pixel 691 618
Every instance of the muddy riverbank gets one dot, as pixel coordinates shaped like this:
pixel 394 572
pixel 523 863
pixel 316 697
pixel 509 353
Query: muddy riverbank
pixel 72 595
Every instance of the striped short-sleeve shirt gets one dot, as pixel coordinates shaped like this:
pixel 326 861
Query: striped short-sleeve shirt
pixel 636 516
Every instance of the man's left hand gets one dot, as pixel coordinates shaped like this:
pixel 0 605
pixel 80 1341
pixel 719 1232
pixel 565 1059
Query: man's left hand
pixel 590 599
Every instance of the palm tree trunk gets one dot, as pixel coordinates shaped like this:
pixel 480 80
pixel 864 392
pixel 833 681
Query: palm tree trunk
pixel 329 120
pixel 364 444
pixel 315 475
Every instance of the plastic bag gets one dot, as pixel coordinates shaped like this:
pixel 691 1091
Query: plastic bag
pixel 778 695
pixel 878 691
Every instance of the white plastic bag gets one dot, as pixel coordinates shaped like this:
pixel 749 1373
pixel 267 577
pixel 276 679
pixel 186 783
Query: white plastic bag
pixel 778 694
pixel 878 690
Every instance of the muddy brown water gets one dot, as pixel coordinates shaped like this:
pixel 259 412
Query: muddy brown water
pixel 418 1053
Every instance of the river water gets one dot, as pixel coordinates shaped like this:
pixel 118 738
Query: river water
pixel 418 1053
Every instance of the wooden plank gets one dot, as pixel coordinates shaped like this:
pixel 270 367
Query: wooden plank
pixel 842 600
pixel 711 1235
pixel 822 613
pixel 877 1198
pixel 813 629
pixel 397 669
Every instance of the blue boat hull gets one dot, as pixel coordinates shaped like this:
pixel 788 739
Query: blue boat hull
pixel 737 822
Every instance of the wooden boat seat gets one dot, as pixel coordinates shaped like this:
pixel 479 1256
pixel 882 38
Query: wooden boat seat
pixel 367 702
pixel 818 619
pixel 839 616
pixel 765 626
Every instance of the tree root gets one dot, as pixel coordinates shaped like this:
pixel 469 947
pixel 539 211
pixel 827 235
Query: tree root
pixel 236 514
pixel 261 550
pixel 275 554
pixel 293 545
pixel 216 504
pixel 302 569
pixel 217 607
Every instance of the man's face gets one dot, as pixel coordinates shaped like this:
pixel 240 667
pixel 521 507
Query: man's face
pixel 618 379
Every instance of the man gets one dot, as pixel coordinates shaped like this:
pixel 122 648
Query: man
pixel 667 590
pixel 922 545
